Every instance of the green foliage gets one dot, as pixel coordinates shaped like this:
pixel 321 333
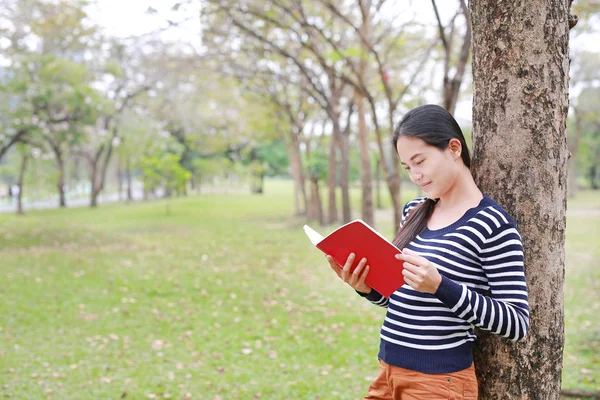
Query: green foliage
pixel 274 154
pixel 161 167
pixel 317 163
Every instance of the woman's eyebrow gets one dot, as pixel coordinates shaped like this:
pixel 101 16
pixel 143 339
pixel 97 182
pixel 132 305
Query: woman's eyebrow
pixel 412 158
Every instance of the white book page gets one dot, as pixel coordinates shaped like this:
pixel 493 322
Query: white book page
pixel 313 235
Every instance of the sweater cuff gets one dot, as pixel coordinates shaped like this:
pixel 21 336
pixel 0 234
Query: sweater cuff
pixel 449 292
pixel 373 296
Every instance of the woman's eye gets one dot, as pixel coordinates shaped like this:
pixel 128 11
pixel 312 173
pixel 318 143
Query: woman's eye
pixel 420 162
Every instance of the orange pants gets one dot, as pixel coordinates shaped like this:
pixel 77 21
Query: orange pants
pixel 395 383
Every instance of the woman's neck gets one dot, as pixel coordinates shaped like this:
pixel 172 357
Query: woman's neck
pixel 463 192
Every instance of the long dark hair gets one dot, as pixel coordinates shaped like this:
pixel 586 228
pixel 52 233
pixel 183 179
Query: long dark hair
pixel 435 126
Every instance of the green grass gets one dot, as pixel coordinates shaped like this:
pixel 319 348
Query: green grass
pixel 216 296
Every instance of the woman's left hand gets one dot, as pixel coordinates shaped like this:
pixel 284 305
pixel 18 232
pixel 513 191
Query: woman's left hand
pixel 419 272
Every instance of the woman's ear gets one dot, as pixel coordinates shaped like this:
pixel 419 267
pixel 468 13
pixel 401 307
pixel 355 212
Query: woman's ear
pixel 455 148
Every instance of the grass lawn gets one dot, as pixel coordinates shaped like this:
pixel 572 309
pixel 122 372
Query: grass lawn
pixel 217 296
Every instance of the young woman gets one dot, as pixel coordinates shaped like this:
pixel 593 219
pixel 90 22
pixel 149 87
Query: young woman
pixel 463 266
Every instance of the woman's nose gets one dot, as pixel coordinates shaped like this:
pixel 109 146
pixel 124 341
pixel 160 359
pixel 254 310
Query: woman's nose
pixel 415 175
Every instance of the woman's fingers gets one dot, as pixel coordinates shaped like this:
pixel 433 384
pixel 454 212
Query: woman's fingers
pixel 357 271
pixel 347 266
pixel 334 266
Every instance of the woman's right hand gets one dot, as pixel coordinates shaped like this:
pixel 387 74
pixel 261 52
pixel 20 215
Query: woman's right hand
pixel 356 279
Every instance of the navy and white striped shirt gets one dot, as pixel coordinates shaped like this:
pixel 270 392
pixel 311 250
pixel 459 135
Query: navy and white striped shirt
pixel 480 258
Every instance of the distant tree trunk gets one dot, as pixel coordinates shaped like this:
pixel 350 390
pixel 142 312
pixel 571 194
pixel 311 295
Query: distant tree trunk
pixel 451 87
pixel 366 176
pixel 592 176
pixel 574 144
pixel 377 184
pixel 520 104
pixel 60 182
pixel 293 146
pixel 95 192
pixel 315 206
pixel 315 199
pixel 332 212
pixel 120 176
pixel 21 182
pixel 344 142
pixel 60 166
pixel 100 165
pixel 129 183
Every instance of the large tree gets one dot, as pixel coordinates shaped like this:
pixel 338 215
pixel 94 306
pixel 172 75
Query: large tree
pixel 520 104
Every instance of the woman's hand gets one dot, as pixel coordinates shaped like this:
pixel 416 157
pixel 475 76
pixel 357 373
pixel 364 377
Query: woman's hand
pixel 356 279
pixel 419 272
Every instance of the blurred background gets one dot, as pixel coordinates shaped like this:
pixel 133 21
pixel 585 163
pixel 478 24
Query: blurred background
pixel 118 101
pixel 157 162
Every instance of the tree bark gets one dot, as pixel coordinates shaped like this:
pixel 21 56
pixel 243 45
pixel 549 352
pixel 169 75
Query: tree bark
pixel 366 179
pixel 129 183
pixel 120 176
pixel 332 168
pixel 21 185
pixel 344 142
pixel 451 87
pixel 315 199
pixel 297 173
pixel 60 184
pixel 377 184
pixel 592 177
pixel 95 192
pixel 520 105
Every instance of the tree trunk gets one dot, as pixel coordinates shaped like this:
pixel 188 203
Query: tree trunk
pixel 592 176
pixel 95 190
pixel 21 185
pixel 60 184
pixel 520 104
pixel 344 142
pixel 366 178
pixel 315 199
pixel 392 177
pixel 129 184
pixel 377 184
pixel 451 87
pixel 297 173
pixel 120 176
pixel 332 212
pixel 574 150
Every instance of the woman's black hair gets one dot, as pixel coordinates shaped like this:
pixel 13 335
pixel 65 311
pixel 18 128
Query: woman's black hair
pixel 435 126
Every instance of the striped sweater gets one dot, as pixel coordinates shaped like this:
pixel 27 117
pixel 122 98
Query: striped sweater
pixel 480 258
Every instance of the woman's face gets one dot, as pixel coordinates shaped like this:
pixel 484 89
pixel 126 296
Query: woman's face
pixel 434 170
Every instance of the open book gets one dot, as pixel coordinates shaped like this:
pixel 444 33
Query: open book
pixel 385 271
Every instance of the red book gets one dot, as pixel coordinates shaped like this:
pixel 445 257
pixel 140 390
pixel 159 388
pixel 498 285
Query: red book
pixel 385 271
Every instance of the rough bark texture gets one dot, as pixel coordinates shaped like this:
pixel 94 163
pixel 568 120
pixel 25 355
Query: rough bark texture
pixel 520 105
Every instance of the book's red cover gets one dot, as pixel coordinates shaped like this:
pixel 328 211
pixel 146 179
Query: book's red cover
pixel 385 271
